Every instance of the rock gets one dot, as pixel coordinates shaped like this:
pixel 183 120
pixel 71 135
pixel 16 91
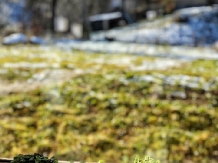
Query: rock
pixel 16 38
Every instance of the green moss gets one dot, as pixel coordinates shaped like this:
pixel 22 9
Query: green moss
pixel 106 113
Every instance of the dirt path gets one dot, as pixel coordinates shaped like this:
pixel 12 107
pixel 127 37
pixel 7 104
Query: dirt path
pixel 42 79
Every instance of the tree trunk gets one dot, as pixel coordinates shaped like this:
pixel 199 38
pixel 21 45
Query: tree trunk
pixel 210 2
pixel 84 20
pixel 123 6
pixel 53 8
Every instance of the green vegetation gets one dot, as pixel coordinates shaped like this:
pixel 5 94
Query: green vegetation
pixel 146 159
pixel 80 106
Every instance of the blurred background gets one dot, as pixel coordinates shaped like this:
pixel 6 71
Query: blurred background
pixel 79 19
pixel 90 80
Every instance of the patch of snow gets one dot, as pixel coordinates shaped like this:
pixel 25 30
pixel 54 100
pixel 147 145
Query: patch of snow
pixel 37 40
pixel 16 38
pixel 29 65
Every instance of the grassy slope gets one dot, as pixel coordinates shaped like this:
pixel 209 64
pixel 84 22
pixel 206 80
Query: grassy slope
pixel 102 112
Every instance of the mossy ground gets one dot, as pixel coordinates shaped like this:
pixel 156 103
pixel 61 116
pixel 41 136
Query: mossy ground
pixel 90 107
